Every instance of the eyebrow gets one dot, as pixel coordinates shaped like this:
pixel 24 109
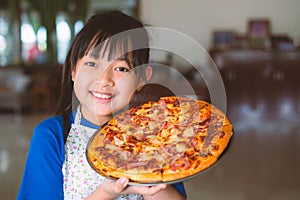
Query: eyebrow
pixel 96 54
pixel 113 60
pixel 92 55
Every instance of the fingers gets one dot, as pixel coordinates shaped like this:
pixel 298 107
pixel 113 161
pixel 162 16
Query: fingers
pixel 112 189
pixel 154 189
pixel 121 184
pixel 146 190
pixel 116 188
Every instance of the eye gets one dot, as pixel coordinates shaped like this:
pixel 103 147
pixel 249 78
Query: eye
pixel 121 66
pixel 91 64
pixel 122 69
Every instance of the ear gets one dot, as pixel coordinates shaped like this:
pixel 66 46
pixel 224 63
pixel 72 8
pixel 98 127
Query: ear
pixel 73 74
pixel 148 75
pixel 149 72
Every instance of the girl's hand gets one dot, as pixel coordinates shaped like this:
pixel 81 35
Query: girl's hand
pixel 110 189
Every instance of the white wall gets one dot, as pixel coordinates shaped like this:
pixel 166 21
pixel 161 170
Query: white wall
pixel 198 18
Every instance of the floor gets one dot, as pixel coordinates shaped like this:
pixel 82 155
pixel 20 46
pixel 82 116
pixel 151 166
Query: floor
pixel 262 162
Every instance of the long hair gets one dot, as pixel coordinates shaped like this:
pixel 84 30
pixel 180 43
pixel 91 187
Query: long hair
pixel 98 35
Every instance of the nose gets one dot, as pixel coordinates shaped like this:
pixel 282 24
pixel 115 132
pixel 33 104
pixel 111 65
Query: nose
pixel 105 79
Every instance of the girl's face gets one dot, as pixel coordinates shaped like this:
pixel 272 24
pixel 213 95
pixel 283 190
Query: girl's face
pixel 104 87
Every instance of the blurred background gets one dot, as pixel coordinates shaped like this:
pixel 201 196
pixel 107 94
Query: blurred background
pixel 255 46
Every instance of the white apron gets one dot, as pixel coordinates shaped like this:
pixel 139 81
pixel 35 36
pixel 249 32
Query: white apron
pixel 80 180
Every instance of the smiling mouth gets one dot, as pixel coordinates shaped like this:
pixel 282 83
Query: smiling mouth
pixel 102 96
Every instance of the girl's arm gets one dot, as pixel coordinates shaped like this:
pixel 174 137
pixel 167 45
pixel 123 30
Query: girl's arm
pixel 43 177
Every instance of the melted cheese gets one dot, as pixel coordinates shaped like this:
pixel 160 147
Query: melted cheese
pixel 189 132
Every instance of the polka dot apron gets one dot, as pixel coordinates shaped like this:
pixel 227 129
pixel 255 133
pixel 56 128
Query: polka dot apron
pixel 80 180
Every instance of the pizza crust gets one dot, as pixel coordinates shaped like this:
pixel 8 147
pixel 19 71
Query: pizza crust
pixel 199 165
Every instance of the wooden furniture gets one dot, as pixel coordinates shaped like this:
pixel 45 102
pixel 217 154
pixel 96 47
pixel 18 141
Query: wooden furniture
pixel 277 65
pixel 41 92
pixel 44 89
pixel 259 73
pixel 14 90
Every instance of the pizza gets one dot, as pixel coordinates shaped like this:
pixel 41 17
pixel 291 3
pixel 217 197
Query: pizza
pixel 160 141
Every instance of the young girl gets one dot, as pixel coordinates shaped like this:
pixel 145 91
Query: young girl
pixel 101 69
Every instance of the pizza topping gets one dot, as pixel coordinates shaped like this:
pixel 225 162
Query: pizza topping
pixel 131 165
pixel 180 164
pixel 180 147
pixel 189 132
pixel 215 147
pixel 189 152
pixel 118 141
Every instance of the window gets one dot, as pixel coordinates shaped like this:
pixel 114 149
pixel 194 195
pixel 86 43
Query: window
pixel 4 48
pixel 63 34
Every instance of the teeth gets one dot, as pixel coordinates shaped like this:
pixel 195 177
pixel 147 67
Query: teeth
pixel 102 96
